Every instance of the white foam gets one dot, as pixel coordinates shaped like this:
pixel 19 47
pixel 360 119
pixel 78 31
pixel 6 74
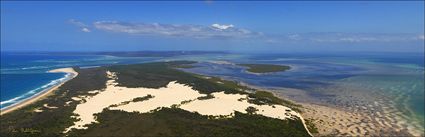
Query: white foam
pixel 34 92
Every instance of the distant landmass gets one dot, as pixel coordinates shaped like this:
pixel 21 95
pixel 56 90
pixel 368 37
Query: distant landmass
pixel 127 53
pixel 265 68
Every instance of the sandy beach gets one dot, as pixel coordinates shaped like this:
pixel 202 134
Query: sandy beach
pixel 369 119
pixel 72 74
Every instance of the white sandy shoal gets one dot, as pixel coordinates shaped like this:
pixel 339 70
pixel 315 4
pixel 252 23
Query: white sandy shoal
pixel 173 94
pixel 64 70
pixel 222 62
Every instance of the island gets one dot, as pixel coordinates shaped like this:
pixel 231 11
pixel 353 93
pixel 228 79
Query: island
pixel 132 53
pixel 155 99
pixel 265 68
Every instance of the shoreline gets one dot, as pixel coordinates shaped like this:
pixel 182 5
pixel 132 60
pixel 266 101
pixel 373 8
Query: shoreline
pixel 72 74
pixel 341 121
pixel 337 120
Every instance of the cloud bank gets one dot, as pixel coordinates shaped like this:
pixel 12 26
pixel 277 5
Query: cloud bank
pixel 333 37
pixel 230 31
pixel 176 30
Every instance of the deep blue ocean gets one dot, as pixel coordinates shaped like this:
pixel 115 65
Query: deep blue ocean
pixel 25 74
pixel 397 76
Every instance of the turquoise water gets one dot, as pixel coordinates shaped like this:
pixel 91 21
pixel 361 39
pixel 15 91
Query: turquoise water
pixel 405 90
pixel 400 78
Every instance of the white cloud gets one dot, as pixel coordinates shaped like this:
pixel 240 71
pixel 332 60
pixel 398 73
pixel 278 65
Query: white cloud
pixel 294 37
pixel 175 30
pixel 350 37
pixel 77 23
pixel 222 31
pixel 85 30
pixel 221 27
pixel 421 37
pixel 83 27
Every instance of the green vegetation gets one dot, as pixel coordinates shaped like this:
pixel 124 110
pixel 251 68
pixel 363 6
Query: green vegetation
pixel 208 96
pixel 159 74
pixel 178 122
pixel 311 127
pixel 227 84
pixel 154 53
pixel 265 68
pixel 138 99
pixel 161 122
pixel 181 64
pixel 263 97
pixel 251 110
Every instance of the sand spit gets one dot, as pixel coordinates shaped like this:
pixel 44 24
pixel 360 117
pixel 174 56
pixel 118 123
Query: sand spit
pixel 64 70
pixel 174 94
pixel 42 94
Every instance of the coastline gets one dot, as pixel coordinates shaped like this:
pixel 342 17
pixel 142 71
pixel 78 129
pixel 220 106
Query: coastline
pixel 340 121
pixel 72 74
pixel 363 120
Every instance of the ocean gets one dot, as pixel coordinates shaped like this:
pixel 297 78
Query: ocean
pixel 394 81
pixel 25 74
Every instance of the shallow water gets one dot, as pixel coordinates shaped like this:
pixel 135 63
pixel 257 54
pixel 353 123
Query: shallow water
pixel 397 78
pixel 405 91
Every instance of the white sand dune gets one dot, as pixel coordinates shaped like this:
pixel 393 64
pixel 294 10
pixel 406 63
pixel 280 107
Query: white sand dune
pixel 173 94
pixel 227 104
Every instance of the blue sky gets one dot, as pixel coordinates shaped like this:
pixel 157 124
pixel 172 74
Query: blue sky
pixel 229 26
